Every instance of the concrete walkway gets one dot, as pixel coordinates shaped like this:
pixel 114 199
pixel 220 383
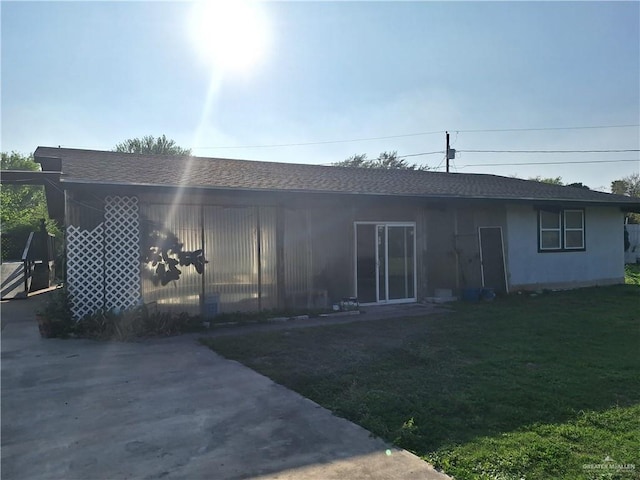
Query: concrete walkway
pixel 169 408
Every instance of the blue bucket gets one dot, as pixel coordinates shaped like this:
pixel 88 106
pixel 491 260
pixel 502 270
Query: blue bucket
pixel 471 294
pixel 488 294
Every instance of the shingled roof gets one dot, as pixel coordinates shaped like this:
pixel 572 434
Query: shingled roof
pixel 114 168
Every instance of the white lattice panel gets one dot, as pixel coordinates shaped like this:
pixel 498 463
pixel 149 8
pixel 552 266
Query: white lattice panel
pixel 85 269
pixel 122 252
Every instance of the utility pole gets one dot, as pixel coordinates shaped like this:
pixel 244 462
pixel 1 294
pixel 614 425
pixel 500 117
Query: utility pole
pixel 450 152
pixel 447 151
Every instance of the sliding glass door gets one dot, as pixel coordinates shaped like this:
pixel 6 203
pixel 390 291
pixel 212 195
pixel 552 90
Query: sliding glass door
pixel 385 262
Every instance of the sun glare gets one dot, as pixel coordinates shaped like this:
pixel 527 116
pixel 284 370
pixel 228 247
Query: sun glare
pixel 230 34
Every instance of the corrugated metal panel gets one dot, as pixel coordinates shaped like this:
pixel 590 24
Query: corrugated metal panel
pixel 182 295
pixel 332 235
pixel 467 249
pixel 297 259
pixel 441 260
pixel 268 258
pixel 232 251
pixel 86 213
pixel 71 210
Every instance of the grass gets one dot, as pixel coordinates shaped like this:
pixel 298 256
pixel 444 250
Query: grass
pixel 632 274
pixel 527 387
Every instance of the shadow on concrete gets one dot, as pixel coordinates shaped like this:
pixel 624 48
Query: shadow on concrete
pixel 12 280
pixel 167 408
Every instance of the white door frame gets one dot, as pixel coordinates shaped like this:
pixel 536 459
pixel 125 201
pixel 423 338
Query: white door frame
pixel 386 226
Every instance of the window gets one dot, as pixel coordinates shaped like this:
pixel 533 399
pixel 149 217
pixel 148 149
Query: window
pixel 550 230
pixel 574 229
pixel 561 230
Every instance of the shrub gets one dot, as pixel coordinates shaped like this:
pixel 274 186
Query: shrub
pixel 134 323
pixel 57 311
pixel 106 324
pixel 632 274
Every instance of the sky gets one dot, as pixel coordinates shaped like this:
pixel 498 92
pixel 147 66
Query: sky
pixel 341 78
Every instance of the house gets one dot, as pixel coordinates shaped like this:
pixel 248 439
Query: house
pixel 216 235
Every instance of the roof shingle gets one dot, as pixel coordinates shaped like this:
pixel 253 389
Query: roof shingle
pixel 114 168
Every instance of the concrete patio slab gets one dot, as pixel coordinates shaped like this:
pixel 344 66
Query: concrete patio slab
pixel 168 408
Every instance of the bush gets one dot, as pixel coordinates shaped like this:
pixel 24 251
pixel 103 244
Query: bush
pixel 632 274
pixel 57 311
pixel 135 323
pixel 122 325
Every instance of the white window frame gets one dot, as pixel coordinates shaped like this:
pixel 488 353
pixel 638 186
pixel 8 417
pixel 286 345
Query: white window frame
pixel 562 230
pixel 558 229
pixel 566 229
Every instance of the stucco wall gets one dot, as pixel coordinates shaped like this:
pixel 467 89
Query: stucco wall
pixel 601 263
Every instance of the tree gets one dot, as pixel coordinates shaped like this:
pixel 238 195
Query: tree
pixel 16 161
pixel 358 161
pixel 629 185
pixel 151 145
pixel 578 185
pixel 550 180
pixel 386 160
pixel 21 207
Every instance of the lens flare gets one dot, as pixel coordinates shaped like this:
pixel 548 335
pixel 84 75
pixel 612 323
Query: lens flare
pixel 232 35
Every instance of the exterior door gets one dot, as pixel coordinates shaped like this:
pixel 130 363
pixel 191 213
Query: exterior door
pixel 385 262
pixel 492 259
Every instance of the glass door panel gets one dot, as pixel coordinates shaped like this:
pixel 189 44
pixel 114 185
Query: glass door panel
pixel 401 284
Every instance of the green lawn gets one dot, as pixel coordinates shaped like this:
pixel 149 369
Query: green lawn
pixel 527 387
pixel 632 274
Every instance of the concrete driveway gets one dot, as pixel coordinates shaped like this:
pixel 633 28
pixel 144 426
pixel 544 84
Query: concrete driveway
pixel 169 408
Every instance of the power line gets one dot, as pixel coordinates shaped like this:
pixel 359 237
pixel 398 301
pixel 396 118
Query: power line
pixel 397 156
pixel 419 154
pixel 548 151
pixel 525 163
pixel 322 142
pixel 366 139
pixel 548 163
pixel 542 128
pixel 435 132
pixel 441 161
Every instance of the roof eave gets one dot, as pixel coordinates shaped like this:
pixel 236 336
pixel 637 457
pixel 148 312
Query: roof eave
pixel 28 177
pixel 627 206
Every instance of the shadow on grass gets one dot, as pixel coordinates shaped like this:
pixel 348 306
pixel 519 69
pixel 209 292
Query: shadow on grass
pixel 489 368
